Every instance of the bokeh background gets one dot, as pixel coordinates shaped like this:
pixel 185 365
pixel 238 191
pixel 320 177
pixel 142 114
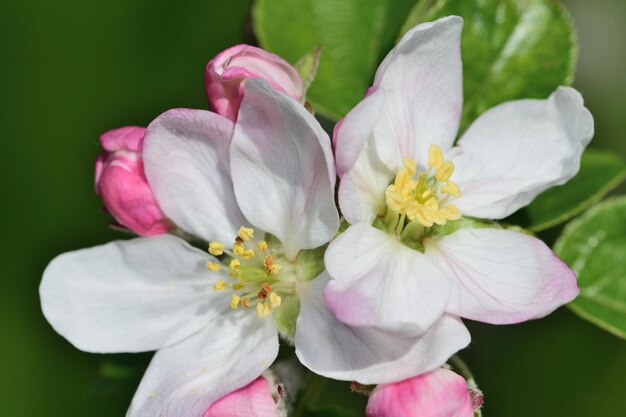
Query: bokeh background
pixel 72 69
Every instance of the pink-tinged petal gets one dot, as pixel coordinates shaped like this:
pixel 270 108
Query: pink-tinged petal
pixel 440 393
pixel 121 183
pixel 379 282
pixel 416 101
pixel 333 349
pixel 254 400
pixel 128 296
pixel 225 75
pixel 283 170
pixel 501 276
pixel 127 138
pixel 184 380
pixel 187 162
pixel 518 149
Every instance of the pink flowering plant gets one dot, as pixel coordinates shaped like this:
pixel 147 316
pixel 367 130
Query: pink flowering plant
pixel 358 247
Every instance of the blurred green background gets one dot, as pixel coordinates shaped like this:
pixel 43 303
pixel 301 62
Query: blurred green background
pixel 72 69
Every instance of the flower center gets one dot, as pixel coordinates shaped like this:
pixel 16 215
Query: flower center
pixel 254 276
pixel 416 200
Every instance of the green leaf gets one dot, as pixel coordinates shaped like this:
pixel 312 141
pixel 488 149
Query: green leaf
pixel 594 245
pixel 599 173
pixel 354 36
pixel 511 49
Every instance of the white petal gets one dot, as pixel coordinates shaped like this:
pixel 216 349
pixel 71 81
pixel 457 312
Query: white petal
pixel 501 276
pixel 415 102
pixel 518 149
pixel 354 130
pixel 183 380
pixel 186 154
pixel 128 296
pixel 381 283
pixel 362 189
pixel 421 81
pixel 283 169
pixel 333 349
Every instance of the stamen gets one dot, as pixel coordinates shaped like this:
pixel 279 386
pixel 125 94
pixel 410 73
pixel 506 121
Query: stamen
pixel 255 275
pixel 213 266
pixel 234 301
pixel 275 300
pixel 423 196
pixel 238 249
pixel 216 248
pixel 451 188
pixel 263 309
pixel 435 157
pixel 444 172
pixel 245 233
pixel 234 264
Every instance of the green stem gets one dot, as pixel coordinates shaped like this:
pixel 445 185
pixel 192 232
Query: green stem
pixel 314 385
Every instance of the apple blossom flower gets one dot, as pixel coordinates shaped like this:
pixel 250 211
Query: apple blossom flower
pixel 225 75
pixel 260 398
pixel 412 251
pixel 439 393
pixel 121 182
pixel 261 194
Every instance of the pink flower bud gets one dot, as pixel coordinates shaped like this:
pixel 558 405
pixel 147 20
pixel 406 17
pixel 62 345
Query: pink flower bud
pixel 440 393
pixel 257 399
pixel 226 73
pixel 122 184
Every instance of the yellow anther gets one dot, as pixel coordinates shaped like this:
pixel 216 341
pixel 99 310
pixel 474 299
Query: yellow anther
pixel 275 300
pixel 262 245
pixel 245 302
pixel 238 249
pixel 234 264
pixel 216 248
pixel 219 285
pixel 444 172
pixel 394 198
pixel 424 217
pixel 245 233
pixel 247 254
pixel 451 188
pixel 263 309
pixel 435 157
pixel 260 310
pixel 451 212
pixel 234 301
pixel 274 270
pixel 238 286
pixel 213 266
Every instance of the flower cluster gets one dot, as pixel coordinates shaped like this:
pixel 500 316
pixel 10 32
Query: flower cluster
pixel 240 241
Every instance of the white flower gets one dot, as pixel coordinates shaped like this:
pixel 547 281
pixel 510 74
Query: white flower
pixel 403 262
pixel 265 198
